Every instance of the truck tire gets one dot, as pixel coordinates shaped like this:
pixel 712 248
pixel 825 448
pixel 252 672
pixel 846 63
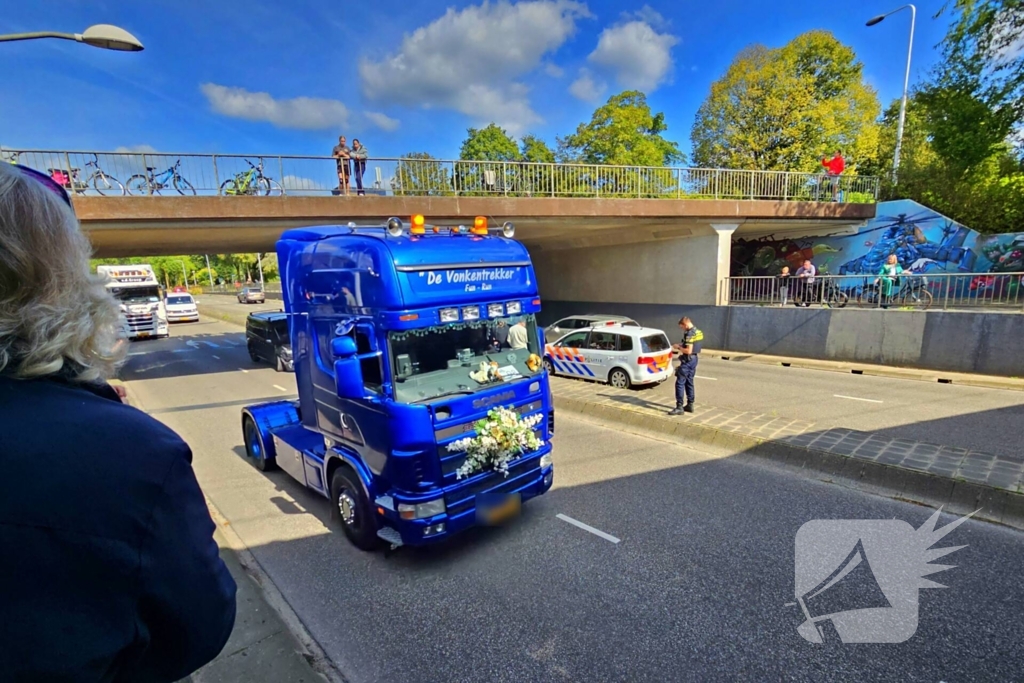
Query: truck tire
pixel 254 449
pixel 351 510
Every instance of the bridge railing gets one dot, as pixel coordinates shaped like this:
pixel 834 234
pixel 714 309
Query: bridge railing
pixel 996 291
pixel 165 174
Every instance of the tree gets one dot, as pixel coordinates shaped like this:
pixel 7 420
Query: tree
pixel 420 174
pixel 622 132
pixel 488 144
pixel 784 109
pixel 535 150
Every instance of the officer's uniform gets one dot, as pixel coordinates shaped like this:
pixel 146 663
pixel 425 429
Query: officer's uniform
pixel 687 370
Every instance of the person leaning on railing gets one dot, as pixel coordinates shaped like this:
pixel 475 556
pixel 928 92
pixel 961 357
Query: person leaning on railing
pixel 889 279
pixel 110 571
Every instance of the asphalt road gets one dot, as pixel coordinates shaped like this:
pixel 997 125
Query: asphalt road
pixel 698 586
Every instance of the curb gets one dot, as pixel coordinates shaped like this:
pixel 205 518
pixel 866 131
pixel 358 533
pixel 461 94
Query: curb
pixel 953 496
pixel 985 381
pixel 311 650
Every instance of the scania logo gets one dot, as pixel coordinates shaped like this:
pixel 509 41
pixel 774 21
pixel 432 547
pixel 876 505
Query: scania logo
pixel 491 400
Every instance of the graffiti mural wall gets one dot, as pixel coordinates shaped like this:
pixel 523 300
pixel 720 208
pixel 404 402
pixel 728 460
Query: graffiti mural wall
pixel 923 240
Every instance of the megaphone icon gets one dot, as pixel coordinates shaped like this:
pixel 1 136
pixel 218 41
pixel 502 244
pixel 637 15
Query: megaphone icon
pixel 851 586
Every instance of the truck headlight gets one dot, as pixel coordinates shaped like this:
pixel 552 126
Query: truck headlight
pixel 514 307
pixel 471 313
pixel 495 310
pixel 545 460
pixel 449 315
pixel 421 510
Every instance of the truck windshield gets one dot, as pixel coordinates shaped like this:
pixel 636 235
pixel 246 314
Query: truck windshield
pixel 461 358
pixel 137 295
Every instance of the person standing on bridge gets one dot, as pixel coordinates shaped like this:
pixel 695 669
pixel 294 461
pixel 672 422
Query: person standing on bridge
pixel 342 154
pixel 835 167
pixel 110 572
pixel 359 156
pixel 688 350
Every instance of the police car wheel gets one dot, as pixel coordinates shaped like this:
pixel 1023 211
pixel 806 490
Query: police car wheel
pixel 619 379
pixel 548 367
pixel 352 511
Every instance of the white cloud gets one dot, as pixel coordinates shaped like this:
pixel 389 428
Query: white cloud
pixel 470 60
pixel 639 57
pixel 648 15
pixel 382 121
pixel 586 88
pixel 553 70
pixel 136 149
pixel 309 113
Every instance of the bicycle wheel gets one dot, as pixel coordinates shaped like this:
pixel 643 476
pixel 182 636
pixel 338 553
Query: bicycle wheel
pixel 138 185
pixel 269 186
pixel 106 184
pixel 228 188
pixel 921 298
pixel 183 186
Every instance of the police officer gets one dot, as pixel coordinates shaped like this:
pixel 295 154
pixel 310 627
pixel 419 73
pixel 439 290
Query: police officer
pixel 689 350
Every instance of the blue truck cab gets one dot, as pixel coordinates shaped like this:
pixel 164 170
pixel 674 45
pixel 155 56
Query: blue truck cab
pixel 387 324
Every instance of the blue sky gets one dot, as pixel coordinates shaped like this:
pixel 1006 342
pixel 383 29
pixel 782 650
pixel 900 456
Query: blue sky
pixel 277 77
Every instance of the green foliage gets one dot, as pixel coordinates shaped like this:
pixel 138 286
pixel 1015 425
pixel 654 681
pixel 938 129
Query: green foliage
pixel 622 132
pixel 418 173
pixel 784 109
pixel 171 270
pixel 488 144
pixel 535 150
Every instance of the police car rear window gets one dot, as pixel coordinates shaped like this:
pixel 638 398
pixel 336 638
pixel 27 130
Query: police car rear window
pixel 654 343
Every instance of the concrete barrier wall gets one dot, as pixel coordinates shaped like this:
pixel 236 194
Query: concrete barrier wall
pixel 985 343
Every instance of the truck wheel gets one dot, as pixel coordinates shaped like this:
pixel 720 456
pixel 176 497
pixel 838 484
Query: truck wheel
pixel 254 449
pixel 352 511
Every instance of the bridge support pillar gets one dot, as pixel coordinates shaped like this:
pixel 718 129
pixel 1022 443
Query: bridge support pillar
pixel 723 232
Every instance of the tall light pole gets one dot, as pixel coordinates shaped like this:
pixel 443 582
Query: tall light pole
pixel 259 262
pixel 906 84
pixel 208 271
pixel 184 272
pixel 102 36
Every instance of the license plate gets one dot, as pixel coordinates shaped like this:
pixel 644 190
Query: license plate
pixel 143 334
pixel 493 510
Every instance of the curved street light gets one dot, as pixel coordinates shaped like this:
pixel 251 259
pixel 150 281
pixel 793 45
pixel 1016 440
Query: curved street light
pixel 906 83
pixel 102 36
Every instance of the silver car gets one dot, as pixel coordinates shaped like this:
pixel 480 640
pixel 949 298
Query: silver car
pixel 580 322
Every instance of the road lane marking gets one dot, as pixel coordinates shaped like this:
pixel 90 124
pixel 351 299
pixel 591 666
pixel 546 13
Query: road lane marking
pixel 585 527
pixel 854 398
pixel 244 370
pixel 138 353
pixel 279 388
pixel 214 357
pixel 713 379
pixel 211 344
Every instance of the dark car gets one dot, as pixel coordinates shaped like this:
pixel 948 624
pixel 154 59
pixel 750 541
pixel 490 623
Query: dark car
pixel 252 295
pixel 266 336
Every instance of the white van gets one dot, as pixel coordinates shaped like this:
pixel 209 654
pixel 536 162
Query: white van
pixel 181 308
pixel 621 355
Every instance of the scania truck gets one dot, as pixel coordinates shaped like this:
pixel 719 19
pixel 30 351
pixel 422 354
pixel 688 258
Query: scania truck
pixel 143 312
pixel 402 339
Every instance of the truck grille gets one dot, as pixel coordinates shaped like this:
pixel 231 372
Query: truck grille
pixel 141 322
pixel 465 497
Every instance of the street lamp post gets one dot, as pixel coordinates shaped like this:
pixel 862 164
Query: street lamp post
pixel 259 262
pixel 102 36
pixel 906 84
pixel 208 271
pixel 184 273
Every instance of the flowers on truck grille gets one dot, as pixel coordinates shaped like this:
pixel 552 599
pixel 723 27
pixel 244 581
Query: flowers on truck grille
pixel 500 438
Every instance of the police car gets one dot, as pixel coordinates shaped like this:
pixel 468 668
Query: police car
pixel 620 355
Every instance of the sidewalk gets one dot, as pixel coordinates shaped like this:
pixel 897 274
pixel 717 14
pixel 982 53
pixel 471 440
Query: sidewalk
pixel 264 644
pixel 959 480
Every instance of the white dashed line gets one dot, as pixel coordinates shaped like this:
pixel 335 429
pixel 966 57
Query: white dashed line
pixel 244 370
pixel 214 357
pixel 211 344
pixel 279 388
pixel 854 398
pixel 713 379
pixel 585 527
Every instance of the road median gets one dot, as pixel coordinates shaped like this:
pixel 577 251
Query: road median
pixel 956 479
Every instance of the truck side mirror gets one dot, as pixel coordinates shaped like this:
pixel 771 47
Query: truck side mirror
pixel 348 375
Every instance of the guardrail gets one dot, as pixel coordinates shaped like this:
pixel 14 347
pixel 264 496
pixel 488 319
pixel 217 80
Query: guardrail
pixel 149 174
pixel 1004 291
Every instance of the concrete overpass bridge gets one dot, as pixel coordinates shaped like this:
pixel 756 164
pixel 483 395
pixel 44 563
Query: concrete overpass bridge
pixel 596 233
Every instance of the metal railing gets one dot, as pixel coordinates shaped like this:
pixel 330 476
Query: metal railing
pixel 1002 291
pixel 146 174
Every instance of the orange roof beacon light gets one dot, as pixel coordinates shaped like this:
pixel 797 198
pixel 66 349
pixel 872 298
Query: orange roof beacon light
pixel 480 225
pixel 417 225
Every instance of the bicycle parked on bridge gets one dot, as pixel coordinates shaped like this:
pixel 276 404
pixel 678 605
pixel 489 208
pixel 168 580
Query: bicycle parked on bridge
pixel 823 291
pixel 912 292
pixel 149 183
pixel 99 180
pixel 251 183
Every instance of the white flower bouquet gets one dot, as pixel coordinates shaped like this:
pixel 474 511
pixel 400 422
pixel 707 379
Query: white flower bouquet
pixel 501 437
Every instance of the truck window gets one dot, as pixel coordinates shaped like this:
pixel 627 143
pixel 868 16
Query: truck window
pixel 435 361
pixel 373 378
